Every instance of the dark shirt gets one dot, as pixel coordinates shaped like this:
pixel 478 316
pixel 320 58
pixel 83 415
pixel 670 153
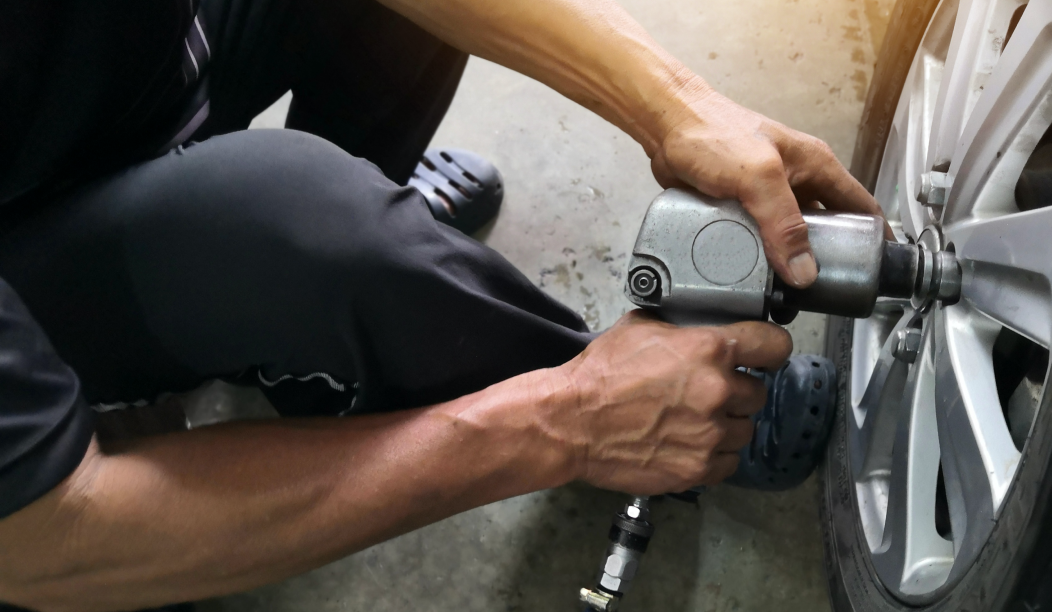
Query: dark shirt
pixel 45 426
pixel 86 86
pixel 89 85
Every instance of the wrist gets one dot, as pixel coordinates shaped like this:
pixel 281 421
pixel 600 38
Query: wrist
pixel 514 418
pixel 558 418
pixel 671 91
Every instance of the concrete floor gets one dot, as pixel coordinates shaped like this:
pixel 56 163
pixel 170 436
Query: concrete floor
pixel 576 192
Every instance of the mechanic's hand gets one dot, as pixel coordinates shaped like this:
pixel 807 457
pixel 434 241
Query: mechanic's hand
pixel 727 151
pixel 662 408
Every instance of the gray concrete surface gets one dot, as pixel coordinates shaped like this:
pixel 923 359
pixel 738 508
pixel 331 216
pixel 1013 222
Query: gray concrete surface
pixel 576 191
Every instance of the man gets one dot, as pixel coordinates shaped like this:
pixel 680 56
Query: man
pixel 158 245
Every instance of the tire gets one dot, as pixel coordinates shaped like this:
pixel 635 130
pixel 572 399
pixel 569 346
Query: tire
pixel 1013 570
pixel 908 21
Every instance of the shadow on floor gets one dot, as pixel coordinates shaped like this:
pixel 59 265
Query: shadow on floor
pixel 566 545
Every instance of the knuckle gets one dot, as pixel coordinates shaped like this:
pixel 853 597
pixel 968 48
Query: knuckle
pixel 721 431
pixel 813 160
pixel 708 344
pixel 711 471
pixel 791 229
pixel 819 149
pixel 768 166
pixel 719 390
pixel 785 339
pixel 701 470
pixel 681 473
pixel 714 340
pixel 699 475
pixel 825 152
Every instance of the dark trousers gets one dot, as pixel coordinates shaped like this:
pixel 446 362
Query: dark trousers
pixel 363 77
pixel 281 258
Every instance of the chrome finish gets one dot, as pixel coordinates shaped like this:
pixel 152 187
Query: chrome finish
pixel 639 509
pixel 619 568
pixel 849 250
pixel 947 278
pixel 598 600
pixel 629 536
pixel 925 279
pixel 940 274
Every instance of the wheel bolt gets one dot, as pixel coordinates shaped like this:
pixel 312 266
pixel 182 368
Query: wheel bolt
pixel 907 344
pixel 934 188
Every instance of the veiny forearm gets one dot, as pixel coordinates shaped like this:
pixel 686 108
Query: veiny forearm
pixel 221 509
pixel 591 51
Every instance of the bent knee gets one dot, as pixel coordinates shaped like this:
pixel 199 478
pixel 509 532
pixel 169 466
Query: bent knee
pixel 308 191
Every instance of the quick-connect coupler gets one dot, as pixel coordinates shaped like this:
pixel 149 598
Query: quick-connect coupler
pixel 629 537
pixel 700 261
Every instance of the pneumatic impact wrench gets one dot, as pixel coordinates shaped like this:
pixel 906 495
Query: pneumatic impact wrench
pixel 700 261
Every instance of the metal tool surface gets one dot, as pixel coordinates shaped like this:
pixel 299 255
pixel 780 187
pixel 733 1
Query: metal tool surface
pixel 700 261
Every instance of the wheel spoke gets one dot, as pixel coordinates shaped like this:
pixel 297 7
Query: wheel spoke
pixel 979 458
pixel 1007 263
pixel 978 29
pixel 912 554
pixel 907 146
pixel 896 185
pixel 878 408
pixel 931 452
pixel 894 201
pixel 1010 116
pixel 911 212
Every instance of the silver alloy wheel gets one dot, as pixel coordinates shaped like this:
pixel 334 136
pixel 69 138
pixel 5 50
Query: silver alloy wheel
pixel 931 445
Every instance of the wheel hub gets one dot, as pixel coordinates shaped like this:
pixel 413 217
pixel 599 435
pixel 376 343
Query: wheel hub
pixel 945 389
pixel 932 453
pixel 938 275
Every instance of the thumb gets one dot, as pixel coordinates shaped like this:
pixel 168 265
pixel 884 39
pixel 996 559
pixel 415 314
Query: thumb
pixel 663 174
pixel 771 202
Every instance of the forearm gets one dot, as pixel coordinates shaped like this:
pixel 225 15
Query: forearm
pixel 221 509
pixel 592 51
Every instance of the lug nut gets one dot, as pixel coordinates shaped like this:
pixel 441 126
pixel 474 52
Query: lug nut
pixel 907 344
pixel 644 283
pixel 934 188
pixel 925 188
